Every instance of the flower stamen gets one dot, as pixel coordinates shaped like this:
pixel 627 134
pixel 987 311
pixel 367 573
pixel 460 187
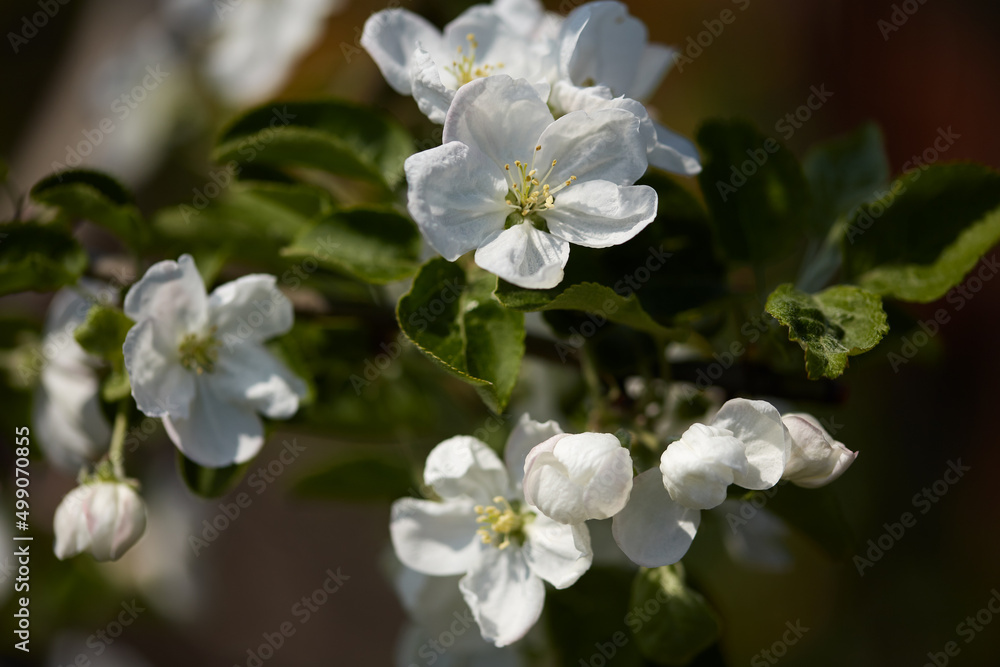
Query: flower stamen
pixel 530 193
pixel 465 68
pixel 500 524
pixel 199 353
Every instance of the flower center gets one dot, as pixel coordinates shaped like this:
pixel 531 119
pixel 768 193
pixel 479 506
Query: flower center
pixel 500 523
pixel 199 353
pixel 465 68
pixel 528 192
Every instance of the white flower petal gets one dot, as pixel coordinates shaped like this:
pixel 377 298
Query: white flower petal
pixel 501 117
pixel 173 293
pixel 600 214
pixel 674 153
pixel 105 518
pixel 815 459
pixel 250 308
pixel 116 519
pixel 391 36
pixel 524 256
pixel 456 196
pixel 67 417
pixel 655 62
pixel 576 478
pixel 699 467
pixel 160 385
pixel 548 486
pixel 653 530
pixel 70 526
pixel 505 596
pixel 526 434
pixel 757 424
pixel 250 375
pixel 464 467
pixel 558 553
pixel 431 95
pixel 602 44
pixel 216 433
pixel 602 145
pixel 435 538
pixel 523 16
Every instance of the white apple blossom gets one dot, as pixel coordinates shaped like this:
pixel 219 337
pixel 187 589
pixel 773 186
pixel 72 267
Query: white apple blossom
pixel 816 459
pixel 104 518
pixel 745 444
pixel 198 361
pixel 606 61
pixel 66 409
pixel 484 529
pixel 574 478
pixel 518 187
pixel 699 467
pixel 443 629
pixel 418 59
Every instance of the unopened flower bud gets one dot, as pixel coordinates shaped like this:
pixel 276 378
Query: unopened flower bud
pixel 105 518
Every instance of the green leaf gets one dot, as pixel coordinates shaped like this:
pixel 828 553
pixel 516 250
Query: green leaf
pixel 374 245
pixel 924 236
pixel 250 220
pixel 844 173
pixel 755 190
pixel 589 297
pixel 103 332
pixel 830 326
pixel 38 257
pixel 461 326
pixel 94 196
pixel 362 475
pixel 684 624
pixel 334 136
pixel 210 482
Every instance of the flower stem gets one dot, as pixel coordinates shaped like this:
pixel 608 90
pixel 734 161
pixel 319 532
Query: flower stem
pixel 116 453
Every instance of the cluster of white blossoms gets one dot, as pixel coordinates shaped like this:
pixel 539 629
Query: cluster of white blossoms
pixel 194 359
pixel 544 131
pixel 510 526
